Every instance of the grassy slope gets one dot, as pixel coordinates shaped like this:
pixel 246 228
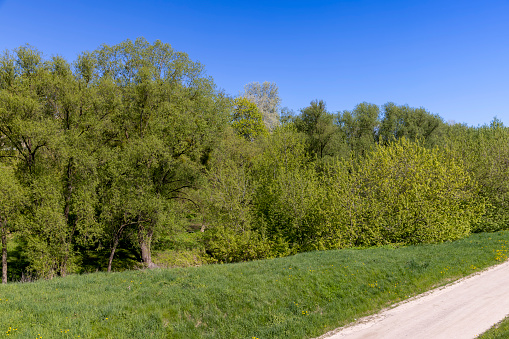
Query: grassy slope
pixel 295 297
pixel 499 331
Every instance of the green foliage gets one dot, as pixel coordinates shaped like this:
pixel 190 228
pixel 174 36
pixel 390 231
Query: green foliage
pixel 247 120
pixel 400 193
pixel 12 201
pixel 226 245
pixel 412 123
pixel 229 189
pixel 117 136
pixel 132 144
pixel 484 152
pixel 228 196
pixel 53 142
pixel 12 195
pixel 323 137
pixel 412 194
pixel 360 127
pixel 288 196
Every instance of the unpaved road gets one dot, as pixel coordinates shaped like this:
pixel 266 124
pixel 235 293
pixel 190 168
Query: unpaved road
pixel 463 309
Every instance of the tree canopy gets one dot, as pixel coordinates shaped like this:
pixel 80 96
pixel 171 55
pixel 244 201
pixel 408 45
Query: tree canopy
pixel 131 154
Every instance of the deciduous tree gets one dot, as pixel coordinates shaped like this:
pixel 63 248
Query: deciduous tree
pixel 266 98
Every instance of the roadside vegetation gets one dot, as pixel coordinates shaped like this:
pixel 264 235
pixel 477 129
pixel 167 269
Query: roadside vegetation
pixel 300 296
pixel 499 331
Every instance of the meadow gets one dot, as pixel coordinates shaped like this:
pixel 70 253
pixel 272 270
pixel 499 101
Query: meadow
pixel 300 296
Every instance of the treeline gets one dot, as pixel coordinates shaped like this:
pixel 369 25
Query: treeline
pixel 132 146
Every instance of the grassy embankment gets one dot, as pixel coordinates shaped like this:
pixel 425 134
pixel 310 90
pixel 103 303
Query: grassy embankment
pixel 499 331
pixel 301 296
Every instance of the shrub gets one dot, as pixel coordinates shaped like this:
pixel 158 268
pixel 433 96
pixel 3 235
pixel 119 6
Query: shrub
pixel 227 245
pixel 403 193
pixel 484 151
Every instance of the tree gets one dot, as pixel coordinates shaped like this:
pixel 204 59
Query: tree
pixel 41 121
pixel 247 119
pixel 321 132
pixel 360 127
pixel 266 97
pixel 169 118
pixel 228 201
pixel 12 199
pixel 287 194
pixel 412 123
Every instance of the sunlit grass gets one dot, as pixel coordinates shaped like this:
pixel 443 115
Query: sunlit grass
pixel 499 331
pixel 301 296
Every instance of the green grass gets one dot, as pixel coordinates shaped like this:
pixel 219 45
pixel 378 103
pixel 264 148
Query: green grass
pixel 499 331
pixel 302 296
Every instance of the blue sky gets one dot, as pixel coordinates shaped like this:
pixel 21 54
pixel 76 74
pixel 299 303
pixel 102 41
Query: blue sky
pixel 450 57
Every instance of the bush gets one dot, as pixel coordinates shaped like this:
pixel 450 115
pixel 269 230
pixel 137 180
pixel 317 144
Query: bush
pixel 404 193
pixel 484 151
pixel 226 245
pixel 288 195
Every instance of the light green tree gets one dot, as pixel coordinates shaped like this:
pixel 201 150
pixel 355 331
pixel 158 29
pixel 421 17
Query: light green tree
pixel 484 151
pixel 411 194
pixel 247 120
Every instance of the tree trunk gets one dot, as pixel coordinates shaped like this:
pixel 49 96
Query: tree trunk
pixel 116 240
pixel 113 249
pixel 145 239
pixel 68 195
pixel 4 253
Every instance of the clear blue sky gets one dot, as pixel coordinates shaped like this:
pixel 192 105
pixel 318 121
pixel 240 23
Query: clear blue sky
pixel 450 57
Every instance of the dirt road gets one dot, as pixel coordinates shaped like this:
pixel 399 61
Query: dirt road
pixel 463 309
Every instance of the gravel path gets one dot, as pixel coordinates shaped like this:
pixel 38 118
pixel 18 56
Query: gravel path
pixel 463 309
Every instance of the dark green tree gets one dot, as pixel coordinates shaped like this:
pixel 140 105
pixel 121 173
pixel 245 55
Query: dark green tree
pixel 322 135
pixel 411 123
pixel 169 118
pixel 360 127
pixel 46 119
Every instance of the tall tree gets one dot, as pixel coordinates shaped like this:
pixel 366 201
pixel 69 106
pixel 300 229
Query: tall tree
pixel 412 123
pixel 360 127
pixel 53 118
pixel 318 126
pixel 266 98
pixel 28 123
pixel 169 119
